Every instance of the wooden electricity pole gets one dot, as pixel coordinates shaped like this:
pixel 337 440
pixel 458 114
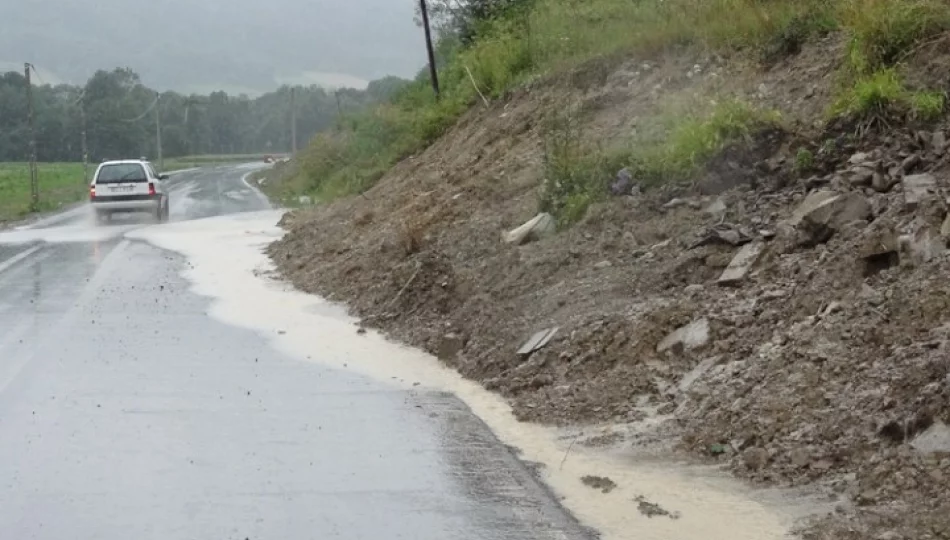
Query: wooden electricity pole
pixel 433 73
pixel 34 177
pixel 293 121
pixel 85 146
pixel 158 132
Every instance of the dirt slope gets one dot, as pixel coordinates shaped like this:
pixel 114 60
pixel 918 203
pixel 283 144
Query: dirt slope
pixel 827 363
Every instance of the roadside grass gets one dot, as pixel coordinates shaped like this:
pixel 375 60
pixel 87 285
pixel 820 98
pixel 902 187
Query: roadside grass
pixel 59 184
pixel 554 35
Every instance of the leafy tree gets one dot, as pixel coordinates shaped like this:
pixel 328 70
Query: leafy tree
pixel 120 117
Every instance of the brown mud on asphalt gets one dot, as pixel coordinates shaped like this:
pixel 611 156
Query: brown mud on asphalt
pixel 226 264
pixel 791 325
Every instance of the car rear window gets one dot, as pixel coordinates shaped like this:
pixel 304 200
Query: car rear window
pixel 120 173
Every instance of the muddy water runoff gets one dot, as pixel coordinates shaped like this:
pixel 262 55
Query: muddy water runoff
pixel 228 265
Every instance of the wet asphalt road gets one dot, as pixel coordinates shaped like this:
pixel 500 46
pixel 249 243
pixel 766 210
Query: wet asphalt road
pixel 127 413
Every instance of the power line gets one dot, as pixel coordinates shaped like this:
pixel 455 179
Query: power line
pixel 144 114
pixel 37 73
pixel 79 99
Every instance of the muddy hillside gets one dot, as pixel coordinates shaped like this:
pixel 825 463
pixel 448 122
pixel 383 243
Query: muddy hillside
pixel 785 313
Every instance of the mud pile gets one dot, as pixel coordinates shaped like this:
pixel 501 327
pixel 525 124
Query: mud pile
pixel 792 326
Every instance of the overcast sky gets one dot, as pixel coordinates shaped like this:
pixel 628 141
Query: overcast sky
pixel 202 45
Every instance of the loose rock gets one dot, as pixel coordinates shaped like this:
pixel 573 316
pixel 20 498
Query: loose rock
pixel 821 214
pixel 540 226
pixel 692 336
pixel 623 185
pixel 717 208
pixel 449 346
pixel 917 188
pixel 910 162
pixel 755 458
pixel 935 440
pixel 742 264
pixel 938 143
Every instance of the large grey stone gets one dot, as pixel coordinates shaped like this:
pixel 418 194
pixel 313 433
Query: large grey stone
pixel 831 209
pixel 537 341
pixel 811 202
pixel 934 440
pixel 741 264
pixel 839 210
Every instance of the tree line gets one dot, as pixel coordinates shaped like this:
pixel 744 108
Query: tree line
pixel 120 118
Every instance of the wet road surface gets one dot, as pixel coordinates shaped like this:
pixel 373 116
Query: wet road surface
pixel 126 412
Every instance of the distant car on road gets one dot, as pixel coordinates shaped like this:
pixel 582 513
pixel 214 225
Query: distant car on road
pixel 128 186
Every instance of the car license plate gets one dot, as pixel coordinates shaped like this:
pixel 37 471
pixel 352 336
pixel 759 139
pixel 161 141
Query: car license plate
pixel 122 189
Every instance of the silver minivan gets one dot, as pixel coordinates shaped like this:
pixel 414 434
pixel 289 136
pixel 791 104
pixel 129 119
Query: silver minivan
pixel 128 186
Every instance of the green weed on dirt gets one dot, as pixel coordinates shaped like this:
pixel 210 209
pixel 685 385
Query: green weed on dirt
pixel 694 139
pixel 59 184
pixel 882 34
pixel 883 93
pixel 576 176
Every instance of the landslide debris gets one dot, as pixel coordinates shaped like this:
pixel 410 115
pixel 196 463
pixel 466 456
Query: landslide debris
pixel 793 327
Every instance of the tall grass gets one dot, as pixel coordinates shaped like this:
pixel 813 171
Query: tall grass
pixel 558 34
pixel 882 34
pixel 882 31
pixel 564 32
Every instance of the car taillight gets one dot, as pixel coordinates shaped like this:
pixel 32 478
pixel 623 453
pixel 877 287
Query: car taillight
pixel 92 192
pixel 151 188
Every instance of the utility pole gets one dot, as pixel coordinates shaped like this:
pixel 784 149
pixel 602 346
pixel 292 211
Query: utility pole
pixel 339 108
pixel 293 121
pixel 85 146
pixel 34 177
pixel 432 69
pixel 158 131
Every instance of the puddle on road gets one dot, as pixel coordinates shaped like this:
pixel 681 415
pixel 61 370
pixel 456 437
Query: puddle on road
pixel 84 229
pixel 227 258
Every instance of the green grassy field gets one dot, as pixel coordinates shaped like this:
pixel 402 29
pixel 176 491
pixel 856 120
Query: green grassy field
pixel 59 185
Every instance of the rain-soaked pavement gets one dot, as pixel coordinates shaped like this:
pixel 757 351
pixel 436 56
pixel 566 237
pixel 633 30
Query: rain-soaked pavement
pixel 127 412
